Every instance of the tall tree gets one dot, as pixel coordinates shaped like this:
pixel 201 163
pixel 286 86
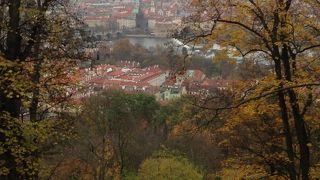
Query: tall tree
pixel 28 30
pixel 285 32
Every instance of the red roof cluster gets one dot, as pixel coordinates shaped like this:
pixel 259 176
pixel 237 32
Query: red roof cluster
pixel 126 78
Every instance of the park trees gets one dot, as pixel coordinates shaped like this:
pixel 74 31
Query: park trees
pixel 123 50
pixel 285 34
pixel 114 134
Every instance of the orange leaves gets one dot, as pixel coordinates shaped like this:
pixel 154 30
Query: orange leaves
pixel 196 2
pixel 233 170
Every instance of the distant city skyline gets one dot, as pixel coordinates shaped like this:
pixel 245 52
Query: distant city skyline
pixel 131 16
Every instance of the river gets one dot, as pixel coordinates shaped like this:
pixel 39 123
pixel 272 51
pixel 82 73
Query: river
pixel 149 42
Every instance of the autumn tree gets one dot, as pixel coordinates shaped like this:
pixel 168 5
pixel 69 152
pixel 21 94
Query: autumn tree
pixel 254 137
pixel 114 134
pixel 166 164
pixel 284 32
pixel 123 50
pixel 33 34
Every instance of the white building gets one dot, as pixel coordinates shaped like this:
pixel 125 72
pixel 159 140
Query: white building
pixel 126 23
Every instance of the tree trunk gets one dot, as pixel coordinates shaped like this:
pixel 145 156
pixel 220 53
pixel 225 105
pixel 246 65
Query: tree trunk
pixel 286 125
pixel 302 136
pixel 13 43
pixel 121 154
pixel 36 92
pixel 299 122
pixel 11 105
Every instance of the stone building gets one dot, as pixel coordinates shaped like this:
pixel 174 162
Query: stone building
pixel 141 20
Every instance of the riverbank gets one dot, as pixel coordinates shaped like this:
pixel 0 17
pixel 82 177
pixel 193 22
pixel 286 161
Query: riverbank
pixel 146 35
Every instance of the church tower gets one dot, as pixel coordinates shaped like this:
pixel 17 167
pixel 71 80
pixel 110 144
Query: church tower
pixel 141 21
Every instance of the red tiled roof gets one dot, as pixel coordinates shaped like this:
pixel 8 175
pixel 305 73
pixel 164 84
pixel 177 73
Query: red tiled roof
pixel 170 81
pixel 151 76
pixel 197 75
pixel 96 81
pixel 109 76
pixel 114 73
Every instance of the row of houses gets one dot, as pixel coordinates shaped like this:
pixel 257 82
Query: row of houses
pixel 126 77
pixel 153 80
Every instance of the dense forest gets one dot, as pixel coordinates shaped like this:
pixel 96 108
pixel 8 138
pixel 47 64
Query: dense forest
pixel 263 125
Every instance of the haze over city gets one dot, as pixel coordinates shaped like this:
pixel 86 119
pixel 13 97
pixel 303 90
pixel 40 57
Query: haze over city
pixel 159 89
